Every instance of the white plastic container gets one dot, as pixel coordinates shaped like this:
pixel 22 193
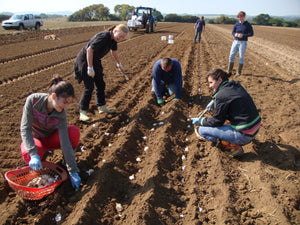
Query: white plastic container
pixel 170 37
pixel 163 38
pixel 170 41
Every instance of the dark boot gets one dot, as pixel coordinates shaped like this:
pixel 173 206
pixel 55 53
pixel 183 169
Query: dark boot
pixel 230 67
pixel 240 69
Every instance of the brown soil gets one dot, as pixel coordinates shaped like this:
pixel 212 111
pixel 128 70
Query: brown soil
pixel 209 187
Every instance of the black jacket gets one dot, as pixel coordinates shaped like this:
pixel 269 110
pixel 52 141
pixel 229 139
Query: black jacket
pixel 233 103
pixel 101 43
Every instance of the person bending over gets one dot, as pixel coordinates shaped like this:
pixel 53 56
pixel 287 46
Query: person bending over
pixel 166 74
pixel 44 127
pixel 88 67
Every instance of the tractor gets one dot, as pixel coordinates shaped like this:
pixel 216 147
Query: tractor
pixel 142 18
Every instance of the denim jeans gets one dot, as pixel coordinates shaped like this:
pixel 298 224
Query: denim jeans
pixel 225 132
pixel 171 87
pixel 238 46
pixel 196 34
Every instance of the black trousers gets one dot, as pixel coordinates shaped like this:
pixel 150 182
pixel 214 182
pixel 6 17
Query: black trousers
pixel 89 84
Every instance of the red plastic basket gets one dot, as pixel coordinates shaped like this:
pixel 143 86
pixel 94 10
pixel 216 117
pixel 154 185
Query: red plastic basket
pixel 19 178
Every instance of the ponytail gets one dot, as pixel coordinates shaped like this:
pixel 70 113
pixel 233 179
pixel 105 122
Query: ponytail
pixel 216 73
pixel 61 88
pixel 110 28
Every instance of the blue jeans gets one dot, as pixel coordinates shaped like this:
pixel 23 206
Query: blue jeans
pixel 225 132
pixel 171 87
pixel 196 34
pixel 238 46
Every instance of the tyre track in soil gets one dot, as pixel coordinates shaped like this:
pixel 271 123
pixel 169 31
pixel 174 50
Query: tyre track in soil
pixel 157 190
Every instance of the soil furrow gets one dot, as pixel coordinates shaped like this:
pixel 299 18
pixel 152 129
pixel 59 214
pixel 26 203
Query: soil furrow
pixel 11 71
pixel 38 54
pixel 147 141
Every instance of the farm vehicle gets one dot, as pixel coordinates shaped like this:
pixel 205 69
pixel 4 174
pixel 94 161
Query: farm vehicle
pixel 142 18
pixel 22 21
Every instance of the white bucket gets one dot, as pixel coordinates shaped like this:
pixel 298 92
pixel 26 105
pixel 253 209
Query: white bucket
pixel 163 38
pixel 170 37
pixel 170 41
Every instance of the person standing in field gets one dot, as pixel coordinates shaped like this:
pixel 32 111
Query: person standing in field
pixel 166 73
pixel 88 67
pixel 235 121
pixel 44 127
pixel 241 31
pixel 199 26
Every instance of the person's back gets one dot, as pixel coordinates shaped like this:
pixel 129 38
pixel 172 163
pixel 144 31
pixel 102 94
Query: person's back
pixel 241 108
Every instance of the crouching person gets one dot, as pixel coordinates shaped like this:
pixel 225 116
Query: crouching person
pixel 44 127
pixel 167 79
pixel 235 121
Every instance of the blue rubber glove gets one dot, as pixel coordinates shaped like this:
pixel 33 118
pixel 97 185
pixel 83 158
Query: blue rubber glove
pixel 75 180
pixel 35 162
pixel 196 120
pixel 210 105
pixel 160 102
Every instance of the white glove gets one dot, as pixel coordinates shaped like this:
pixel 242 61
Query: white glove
pixel 120 66
pixel 91 71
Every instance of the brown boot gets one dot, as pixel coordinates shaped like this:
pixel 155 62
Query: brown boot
pixel 230 67
pixel 240 69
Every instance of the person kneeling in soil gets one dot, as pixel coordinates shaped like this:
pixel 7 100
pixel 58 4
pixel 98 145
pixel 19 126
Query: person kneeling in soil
pixel 231 103
pixel 167 72
pixel 88 67
pixel 44 127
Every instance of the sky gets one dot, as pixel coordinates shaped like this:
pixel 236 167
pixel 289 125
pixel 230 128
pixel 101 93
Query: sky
pixel 191 7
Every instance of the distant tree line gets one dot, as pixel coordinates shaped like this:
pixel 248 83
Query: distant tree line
pixel 98 12
pixel 261 19
pixel 265 19
pixel 223 20
pixel 182 19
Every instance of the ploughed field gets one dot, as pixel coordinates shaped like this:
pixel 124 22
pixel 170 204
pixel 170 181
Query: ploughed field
pixel 205 186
